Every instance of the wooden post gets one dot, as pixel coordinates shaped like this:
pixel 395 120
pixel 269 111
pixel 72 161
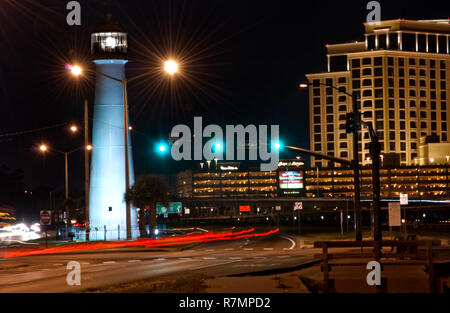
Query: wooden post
pixel 377 254
pixel 430 267
pixel 326 277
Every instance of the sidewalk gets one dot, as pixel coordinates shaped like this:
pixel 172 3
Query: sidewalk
pixel 306 240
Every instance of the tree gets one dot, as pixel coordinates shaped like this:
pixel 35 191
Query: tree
pixel 146 192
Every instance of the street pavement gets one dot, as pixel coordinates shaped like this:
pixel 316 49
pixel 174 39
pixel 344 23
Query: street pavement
pixel 47 273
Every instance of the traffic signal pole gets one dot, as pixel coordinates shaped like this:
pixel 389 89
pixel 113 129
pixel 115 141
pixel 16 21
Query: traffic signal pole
pixel 375 153
pixel 353 125
pixel 355 165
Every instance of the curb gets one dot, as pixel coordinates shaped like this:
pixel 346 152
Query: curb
pixel 279 270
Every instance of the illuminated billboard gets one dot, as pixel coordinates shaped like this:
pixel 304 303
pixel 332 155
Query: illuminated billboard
pixel 291 180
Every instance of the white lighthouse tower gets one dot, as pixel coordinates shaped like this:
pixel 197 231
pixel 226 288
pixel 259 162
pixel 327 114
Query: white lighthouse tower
pixel 107 212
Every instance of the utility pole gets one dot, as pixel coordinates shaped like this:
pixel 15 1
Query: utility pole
pixel 357 199
pixel 86 168
pixel 127 161
pixel 66 161
pixel 375 153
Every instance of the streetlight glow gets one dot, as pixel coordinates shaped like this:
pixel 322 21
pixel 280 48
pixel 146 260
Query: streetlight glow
pixel 303 85
pixel 89 147
pixel 171 67
pixel 76 70
pixel 43 148
pixel 73 128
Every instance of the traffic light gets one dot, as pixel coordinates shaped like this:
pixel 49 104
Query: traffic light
pixel 350 123
pixel 353 122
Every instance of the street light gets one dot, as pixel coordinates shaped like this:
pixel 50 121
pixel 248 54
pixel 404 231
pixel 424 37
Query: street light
pixel 73 128
pixel 44 148
pixel 76 70
pixel 171 67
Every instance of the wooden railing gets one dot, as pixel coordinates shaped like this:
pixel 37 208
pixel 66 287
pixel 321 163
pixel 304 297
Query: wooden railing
pixel 403 252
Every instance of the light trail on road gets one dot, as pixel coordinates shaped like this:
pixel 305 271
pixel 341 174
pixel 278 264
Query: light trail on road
pixel 147 243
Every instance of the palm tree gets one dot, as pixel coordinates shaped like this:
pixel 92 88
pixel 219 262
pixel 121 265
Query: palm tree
pixel 146 192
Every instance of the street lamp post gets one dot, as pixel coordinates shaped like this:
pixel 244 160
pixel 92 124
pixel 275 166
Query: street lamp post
pixel 44 148
pixel 86 169
pixel 355 161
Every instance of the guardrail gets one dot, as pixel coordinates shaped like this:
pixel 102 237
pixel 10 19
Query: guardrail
pixel 403 252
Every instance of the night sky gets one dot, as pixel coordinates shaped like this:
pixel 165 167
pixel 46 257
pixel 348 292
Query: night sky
pixel 243 61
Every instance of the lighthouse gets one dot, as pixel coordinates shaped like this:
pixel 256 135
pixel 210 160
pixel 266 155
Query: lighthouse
pixel 107 207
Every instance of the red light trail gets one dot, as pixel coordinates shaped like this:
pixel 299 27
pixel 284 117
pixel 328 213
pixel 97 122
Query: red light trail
pixel 147 243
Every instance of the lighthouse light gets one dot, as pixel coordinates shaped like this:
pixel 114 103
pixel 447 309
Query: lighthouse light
pixel 110 42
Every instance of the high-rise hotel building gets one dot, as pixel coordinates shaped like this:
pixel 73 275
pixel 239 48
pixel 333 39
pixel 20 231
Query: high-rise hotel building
pixel 401 76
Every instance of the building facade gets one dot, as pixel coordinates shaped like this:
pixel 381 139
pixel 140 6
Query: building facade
pixel 430 182
pixel 229 180
pixel 400 76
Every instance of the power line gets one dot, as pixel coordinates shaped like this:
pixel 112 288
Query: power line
pixel 25 132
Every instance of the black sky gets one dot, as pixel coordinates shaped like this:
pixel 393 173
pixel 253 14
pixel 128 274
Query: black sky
pixel 252 55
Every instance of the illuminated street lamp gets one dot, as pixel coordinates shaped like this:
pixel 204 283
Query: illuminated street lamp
pixel 73 128
pixel 76 70
pixel 171 67
pixel 44 148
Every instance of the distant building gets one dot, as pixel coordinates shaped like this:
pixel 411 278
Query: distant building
pixel 432 151
pixel 429 182
pixel 229 180
pixel 400 74
pixel 292 180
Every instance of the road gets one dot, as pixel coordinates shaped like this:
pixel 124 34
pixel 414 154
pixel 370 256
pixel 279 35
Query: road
pixel 47 273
